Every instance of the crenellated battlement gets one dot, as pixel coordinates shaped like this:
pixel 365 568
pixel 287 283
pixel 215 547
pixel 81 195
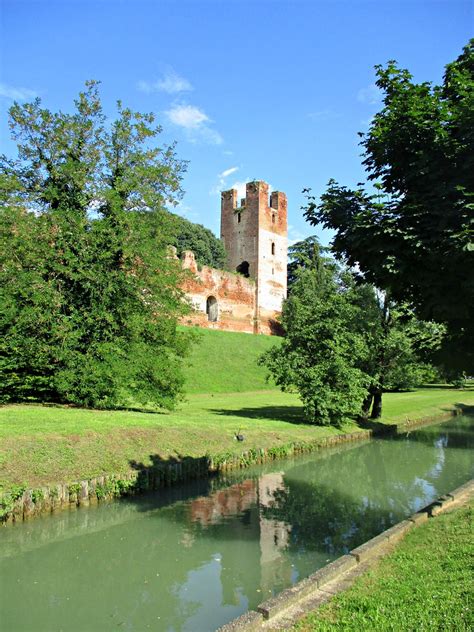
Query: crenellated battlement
pixel 256 195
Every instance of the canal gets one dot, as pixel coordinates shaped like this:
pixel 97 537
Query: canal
pixel 195 556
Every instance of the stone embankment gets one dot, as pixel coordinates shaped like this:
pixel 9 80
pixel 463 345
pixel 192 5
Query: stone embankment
pixel 22 504
pixel 282 611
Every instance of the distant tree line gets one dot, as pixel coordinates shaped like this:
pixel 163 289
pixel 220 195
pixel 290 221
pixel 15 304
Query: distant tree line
pixel 209 250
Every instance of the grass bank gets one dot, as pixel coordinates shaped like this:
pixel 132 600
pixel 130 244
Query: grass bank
pixel 426 584
pixel 226 362
pixel 41 445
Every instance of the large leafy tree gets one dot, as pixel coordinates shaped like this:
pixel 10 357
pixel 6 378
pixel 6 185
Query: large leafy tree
pixel 412 233
pixel 398 345
pixel 345 341
pixel 91 299
pixel 319 355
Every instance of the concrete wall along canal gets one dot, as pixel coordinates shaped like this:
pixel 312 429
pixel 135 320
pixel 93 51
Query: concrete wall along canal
pixel 322 585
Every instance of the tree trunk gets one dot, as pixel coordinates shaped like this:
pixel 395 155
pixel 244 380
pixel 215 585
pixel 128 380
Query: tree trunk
pixel 366 404
pixel 377 405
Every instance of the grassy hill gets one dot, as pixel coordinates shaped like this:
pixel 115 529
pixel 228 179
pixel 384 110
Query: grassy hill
pixel 226 362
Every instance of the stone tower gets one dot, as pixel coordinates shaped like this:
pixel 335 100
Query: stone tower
pixel 254 233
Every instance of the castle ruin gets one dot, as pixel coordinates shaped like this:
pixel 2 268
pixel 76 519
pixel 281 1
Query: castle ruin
pixel 249 296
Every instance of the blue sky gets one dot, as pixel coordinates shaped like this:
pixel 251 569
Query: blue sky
pixel 273 90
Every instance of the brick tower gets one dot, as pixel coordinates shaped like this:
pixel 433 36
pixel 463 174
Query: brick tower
pixel 254 233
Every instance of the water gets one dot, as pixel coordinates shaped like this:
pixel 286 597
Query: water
pixel 194 557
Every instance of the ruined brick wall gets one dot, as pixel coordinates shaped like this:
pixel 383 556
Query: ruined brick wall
pixel 233 293
pixel 249 298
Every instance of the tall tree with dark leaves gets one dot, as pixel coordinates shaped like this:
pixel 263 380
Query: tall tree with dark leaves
pixel 413 233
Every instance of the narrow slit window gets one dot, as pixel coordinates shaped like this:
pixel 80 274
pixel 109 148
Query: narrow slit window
pixel 273 248
pixel 239 218
pixel 273 218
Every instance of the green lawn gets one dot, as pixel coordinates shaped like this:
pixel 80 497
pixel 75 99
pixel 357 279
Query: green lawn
pixel 226 362
pixel 426 584
pixel 47 444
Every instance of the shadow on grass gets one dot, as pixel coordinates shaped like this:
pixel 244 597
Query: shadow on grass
pixel 466 409
pixel 290 414
pixel 137 409
pixel 377 427
pixel 469 386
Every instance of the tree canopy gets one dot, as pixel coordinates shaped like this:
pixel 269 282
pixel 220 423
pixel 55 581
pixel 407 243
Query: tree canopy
pixel 412 233
pixel 345 341
pixel 90 297
pixel 209 250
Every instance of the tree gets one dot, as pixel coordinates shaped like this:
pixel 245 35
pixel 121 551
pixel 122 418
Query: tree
pixel 208 249
pixel 345 342
pixel 413 235
pixel 305 254
pixel 398 345
pixel 85 258
pixel 319 354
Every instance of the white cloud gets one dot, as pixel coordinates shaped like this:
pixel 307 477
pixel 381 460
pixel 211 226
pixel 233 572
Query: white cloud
pixel 16 94
pixel 187 116
pixel 371 95
pixel 221 185
pixel 170 82
pixel 228 172
pixel 227 152
pixel 195 122
pixel 323 115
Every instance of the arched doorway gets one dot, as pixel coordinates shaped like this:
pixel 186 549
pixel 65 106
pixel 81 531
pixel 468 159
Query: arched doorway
pixel 243 268
pixel 212 310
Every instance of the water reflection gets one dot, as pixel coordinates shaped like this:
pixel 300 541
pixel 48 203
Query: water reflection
pixel 195 556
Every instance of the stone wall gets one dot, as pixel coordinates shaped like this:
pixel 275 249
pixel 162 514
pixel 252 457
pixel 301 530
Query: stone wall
pixel 223 300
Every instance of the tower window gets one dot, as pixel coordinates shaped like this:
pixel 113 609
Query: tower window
pixel 239 217
pixel 212 309
pixel 273 218
pixel 273 248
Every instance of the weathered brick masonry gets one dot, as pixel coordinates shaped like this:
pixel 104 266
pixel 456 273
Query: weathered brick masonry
pixel 250 297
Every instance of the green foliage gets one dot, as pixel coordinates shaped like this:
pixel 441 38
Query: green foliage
pixel 90 297
pixel 320 353
pixel 413 235
pixel 397 345
pixel 37 495
pixel 209 250
pixel 345 341
pixel 305 254
pixel 114 487
pixel 74 489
